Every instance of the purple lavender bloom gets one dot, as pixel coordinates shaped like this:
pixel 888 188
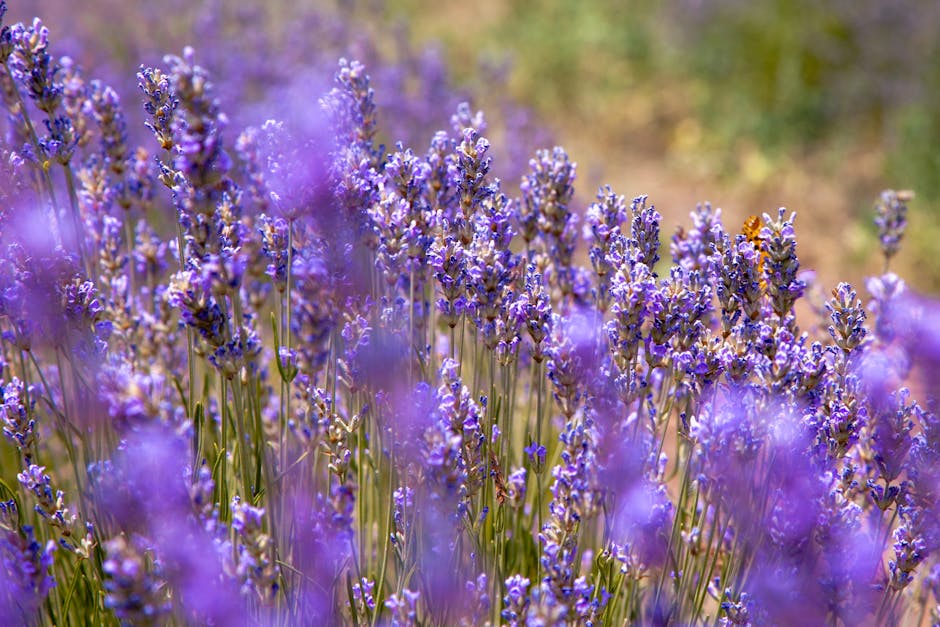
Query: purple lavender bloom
pixel 568 364
pixel 110 118
pixel 604 220
pixel 355 159
pixel 16 416
pixel 840 417
pixel 909 552
pixel 848 318
pixel 465 118
pixel 676 310
pixel 34 67
pixel 738 281
pixel 490 269
pixel 470 182
pixel 198 132
pixel 89 325
pixel 189 292
pixel 150 252
pixel 447 260
pixel 146 491
pixel 135 398
pixel 632 290
pixel 403 608
pixel 546 194
pixel 135 592
pixel 516 601
pixel 274 247
pixel 644 232
pixel 25 564
pixel 160 103
pixel 442 162
pixel 693 249
pixel 363 596
pixel 49 504
pixel 781 266
pixel 60 140
pixel 256 565
pixel 478 600
pixel 453 443
pixel 892 421
pixel 536 453
pixel 533 309
pixel 891 220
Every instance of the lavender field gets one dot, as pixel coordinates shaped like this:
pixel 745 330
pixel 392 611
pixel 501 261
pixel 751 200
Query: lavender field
pixel 296 344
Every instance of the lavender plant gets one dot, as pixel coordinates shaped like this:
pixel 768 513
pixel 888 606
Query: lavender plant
pixel 283 375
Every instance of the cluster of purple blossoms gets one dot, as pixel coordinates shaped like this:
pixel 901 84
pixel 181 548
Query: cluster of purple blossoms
pixel 285 375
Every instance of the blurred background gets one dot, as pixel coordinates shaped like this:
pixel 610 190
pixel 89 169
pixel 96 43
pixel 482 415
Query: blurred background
pixel 749 104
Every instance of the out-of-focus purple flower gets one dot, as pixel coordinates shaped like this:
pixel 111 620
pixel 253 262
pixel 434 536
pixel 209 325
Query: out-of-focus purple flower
pixel 256 564
pixel 145 491
pixel 781 266
pixel 891 220
pixel 355 159
pixel 632 290
pixel 693 249
pixel 135 591
pixel 885 290
pixel 848 318
pixel 478 600
pixel 106 105
pixel 135 398
pixel 363 597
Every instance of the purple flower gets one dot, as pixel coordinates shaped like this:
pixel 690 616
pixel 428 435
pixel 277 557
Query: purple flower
pixel 256 564
pixel 274 238
pixel 135 591
pixel 891 220
pixel 644 232
pixel 25 564
pixel 603 224
pixel 34 67
pixel 516 600
pixel 403 608
pixel 546 194
pixel 781 266
pixel 848 318
pixel 16 416
pixel 160 103
pixel 50 504
pixel 693 249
